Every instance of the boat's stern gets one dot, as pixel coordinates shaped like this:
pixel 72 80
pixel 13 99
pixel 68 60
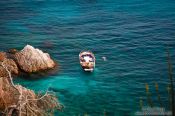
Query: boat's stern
pixel 89 70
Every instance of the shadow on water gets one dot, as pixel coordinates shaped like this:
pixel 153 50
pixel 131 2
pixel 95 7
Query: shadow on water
pixel 89 74
pixel 39 75
pixel 86 73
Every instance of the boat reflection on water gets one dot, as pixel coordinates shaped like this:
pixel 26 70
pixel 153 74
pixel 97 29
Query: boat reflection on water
pixel 87 61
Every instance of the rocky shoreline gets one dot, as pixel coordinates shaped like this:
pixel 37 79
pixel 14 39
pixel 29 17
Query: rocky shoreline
pixel 28 60
pixel 22 101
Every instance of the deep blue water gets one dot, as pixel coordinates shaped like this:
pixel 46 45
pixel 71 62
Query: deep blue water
pixel 132 34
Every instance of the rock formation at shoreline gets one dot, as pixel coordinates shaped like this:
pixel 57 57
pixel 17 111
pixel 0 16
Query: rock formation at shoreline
pixel 17 100
pixel 32 60
pixel 29 60
pixel 9 63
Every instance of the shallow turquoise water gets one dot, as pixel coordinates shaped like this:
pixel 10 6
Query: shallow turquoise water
pixel 133 36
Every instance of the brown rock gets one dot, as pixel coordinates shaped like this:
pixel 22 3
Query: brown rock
pixel 33 104
pixel 3 72
pixel 10 95
pixel 12 51
pixel 11 66
pixel 9 63
pixel 2 56
pixel 32 60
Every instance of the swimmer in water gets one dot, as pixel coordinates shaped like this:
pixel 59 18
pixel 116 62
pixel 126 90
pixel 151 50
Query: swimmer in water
pixel 104 58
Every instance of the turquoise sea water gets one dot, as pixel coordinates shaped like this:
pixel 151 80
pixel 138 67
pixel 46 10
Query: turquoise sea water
pixel 132 34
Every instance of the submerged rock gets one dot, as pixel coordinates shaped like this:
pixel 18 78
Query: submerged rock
pixel 31 59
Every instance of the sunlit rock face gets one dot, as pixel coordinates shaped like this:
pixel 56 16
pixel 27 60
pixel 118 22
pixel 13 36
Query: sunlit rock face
pixel 31 59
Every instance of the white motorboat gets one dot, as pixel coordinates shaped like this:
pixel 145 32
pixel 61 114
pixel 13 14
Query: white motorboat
pixel 87 60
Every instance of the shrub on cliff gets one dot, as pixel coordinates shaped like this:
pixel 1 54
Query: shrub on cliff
pixel 17 100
